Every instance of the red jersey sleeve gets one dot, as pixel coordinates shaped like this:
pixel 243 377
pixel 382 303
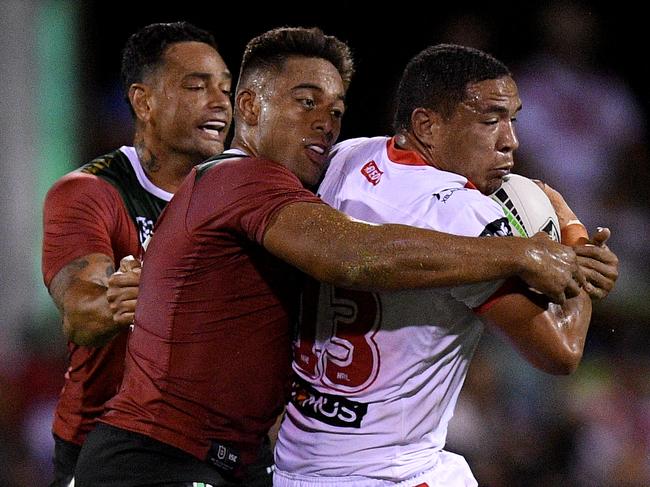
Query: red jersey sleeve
pixel 251 192
pixel 81 214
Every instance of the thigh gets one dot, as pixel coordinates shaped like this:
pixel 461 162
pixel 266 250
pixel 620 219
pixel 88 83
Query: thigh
pixel 260 474
pixel 65 460
pixel 112 457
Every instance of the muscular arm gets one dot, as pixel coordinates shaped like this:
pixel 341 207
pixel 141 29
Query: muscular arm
pixel 550 337
pixel 334 248
pixel 79 291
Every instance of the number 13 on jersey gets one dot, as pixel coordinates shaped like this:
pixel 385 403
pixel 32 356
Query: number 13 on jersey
pixel 335 344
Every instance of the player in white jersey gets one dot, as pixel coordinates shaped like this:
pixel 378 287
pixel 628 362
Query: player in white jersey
pixel 378 375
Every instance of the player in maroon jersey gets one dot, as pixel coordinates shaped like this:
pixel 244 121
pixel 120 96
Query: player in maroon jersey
pixel 178 88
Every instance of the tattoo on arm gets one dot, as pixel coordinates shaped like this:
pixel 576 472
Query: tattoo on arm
pixel 86 268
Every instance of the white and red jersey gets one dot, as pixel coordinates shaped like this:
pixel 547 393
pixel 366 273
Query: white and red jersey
pixel 378 375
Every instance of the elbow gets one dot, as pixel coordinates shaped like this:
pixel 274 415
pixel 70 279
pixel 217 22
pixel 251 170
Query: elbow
pixel 78 335
pixel 564 363
pixel 85 334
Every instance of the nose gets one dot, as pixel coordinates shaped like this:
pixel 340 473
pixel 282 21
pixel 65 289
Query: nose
pixel 508 141
pixel 218 98
pixel 327 124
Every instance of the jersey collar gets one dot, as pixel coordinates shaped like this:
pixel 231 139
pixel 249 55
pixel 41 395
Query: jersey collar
pixel 403 156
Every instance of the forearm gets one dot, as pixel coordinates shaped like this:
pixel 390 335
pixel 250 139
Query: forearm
pixel 571 323
pixel 87 317
pixel 395 257
pixel 550 337
pixel 79 291
pixel 333 248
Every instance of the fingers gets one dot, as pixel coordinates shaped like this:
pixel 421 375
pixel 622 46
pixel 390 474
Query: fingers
pixel 597 280
pixel 129 263
pixel 600 258
pixel 123 289
pixel 608 269
pixel 601 236
pixel 124 318
pixel 599 264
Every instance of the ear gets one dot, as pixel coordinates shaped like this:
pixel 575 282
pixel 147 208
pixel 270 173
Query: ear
pixel 139 96
pixel 425 125
pixel 248 105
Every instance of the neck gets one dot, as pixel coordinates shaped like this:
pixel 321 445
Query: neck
pixel 163 168
pixel 243 142
pixel 407 141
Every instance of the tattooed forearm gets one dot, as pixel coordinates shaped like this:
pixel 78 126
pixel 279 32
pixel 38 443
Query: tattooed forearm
pixel 95 268
pixel 64 278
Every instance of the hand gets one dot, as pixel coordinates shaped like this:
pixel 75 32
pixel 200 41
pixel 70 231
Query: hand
pixel 551 268
pixel 598 264
pixel 122 293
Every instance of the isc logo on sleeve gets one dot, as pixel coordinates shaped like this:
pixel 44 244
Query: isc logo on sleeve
pixel 372 173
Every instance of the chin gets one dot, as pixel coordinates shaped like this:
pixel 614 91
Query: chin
pixel 211 150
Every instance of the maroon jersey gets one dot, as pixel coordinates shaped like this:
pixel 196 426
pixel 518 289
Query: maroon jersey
pixel 100 208
pixel 208 358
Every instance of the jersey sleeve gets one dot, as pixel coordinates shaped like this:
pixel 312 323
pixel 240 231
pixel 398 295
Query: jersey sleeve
pixel 78 214
pixel 252 191
pixel 468 212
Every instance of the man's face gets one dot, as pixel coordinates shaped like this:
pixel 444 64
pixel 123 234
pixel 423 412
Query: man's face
pixel 300 116
pixel 479 140
pixel 191 110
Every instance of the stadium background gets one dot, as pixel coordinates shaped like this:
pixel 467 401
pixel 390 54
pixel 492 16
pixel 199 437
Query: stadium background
pixel 584 129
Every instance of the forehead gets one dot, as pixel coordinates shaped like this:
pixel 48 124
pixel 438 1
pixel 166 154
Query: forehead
pixel 317 73
pixel 192 56
pixel 499 92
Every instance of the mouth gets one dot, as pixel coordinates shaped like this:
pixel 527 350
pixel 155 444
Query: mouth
pixel 502 173
pixel 317 153
pixel 215 129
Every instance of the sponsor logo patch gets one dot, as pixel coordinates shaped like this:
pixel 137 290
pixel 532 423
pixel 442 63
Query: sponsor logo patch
pixel 327 408
pixel 445 194
pixel 497 228
pixel 552 230
pixel 372 172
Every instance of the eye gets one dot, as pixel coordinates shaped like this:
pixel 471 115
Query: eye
pixel 308 103
pixel 513 119
pixel 195 87
pixel 337 113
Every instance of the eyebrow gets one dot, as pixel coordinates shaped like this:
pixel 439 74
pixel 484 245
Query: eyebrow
pixel 498 109
pixel 206 76
pixel 311 86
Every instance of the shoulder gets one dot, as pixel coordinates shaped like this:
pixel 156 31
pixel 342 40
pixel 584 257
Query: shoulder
pixel 466 211
pixel 358 145
pixel 78 183
pixel 247 170
pixel 460 197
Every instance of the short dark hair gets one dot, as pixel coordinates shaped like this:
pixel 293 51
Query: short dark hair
pixel 144 50
pixel 437 79
pixel 271 49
